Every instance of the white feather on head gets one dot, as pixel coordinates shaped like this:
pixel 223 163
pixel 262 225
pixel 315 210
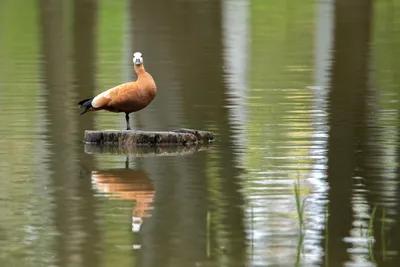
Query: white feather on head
pixel 137 58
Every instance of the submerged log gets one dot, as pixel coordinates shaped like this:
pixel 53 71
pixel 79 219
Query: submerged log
pixel 145 151
pixel 185 137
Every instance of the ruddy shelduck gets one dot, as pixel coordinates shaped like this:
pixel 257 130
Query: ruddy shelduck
pixel 127 97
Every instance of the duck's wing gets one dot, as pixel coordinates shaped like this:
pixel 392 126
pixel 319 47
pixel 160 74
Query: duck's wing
pixel 120 98
pixel 102 100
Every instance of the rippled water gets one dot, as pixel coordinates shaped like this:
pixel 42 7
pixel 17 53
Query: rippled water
pixel 297 93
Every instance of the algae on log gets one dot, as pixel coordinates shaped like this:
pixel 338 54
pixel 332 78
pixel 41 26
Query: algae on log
pixel 148 138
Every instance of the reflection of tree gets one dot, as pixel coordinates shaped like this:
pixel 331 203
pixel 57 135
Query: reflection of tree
pixel 172 39
pixel 347 143
pixel 68 193
pixel 59 129
pixel 394 234
pixel 84 53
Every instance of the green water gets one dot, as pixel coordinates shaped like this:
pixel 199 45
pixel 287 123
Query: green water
pixel 294 91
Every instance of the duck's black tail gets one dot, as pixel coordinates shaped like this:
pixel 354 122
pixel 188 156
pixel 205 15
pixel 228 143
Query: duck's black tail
pixel 87 104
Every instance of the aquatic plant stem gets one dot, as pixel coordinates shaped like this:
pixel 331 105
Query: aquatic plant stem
pixel 326 236
pixel 371 234
pixel 208 227
pixel 383 237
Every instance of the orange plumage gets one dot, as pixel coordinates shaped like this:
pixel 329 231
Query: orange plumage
pixel 127 97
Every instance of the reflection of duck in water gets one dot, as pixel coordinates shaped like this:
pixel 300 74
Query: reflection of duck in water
pixel 127 184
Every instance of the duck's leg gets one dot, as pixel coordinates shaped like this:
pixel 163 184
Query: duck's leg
pixel 128 127
pixel 127 162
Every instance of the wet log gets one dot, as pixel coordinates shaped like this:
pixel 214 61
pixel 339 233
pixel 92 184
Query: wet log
pixel 183 137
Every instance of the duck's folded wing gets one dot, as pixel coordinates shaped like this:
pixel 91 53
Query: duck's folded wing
pixel 103 99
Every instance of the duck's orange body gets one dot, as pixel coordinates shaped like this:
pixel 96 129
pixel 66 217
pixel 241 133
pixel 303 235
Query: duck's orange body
pixel 127 97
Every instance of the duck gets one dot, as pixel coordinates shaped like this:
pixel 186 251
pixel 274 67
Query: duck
pixel 127 97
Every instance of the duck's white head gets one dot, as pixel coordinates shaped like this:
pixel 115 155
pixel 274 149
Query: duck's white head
pixel 137 58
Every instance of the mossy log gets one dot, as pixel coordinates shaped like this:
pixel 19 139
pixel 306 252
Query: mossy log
pixel 185 137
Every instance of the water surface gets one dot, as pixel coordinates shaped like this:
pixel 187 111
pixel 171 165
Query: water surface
pixel 296 92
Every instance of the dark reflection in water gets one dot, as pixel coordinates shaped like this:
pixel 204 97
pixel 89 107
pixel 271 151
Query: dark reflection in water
pixel 242 69
pixel 198 94
pixel 73 198
pixel 348 144
pixel 60 130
